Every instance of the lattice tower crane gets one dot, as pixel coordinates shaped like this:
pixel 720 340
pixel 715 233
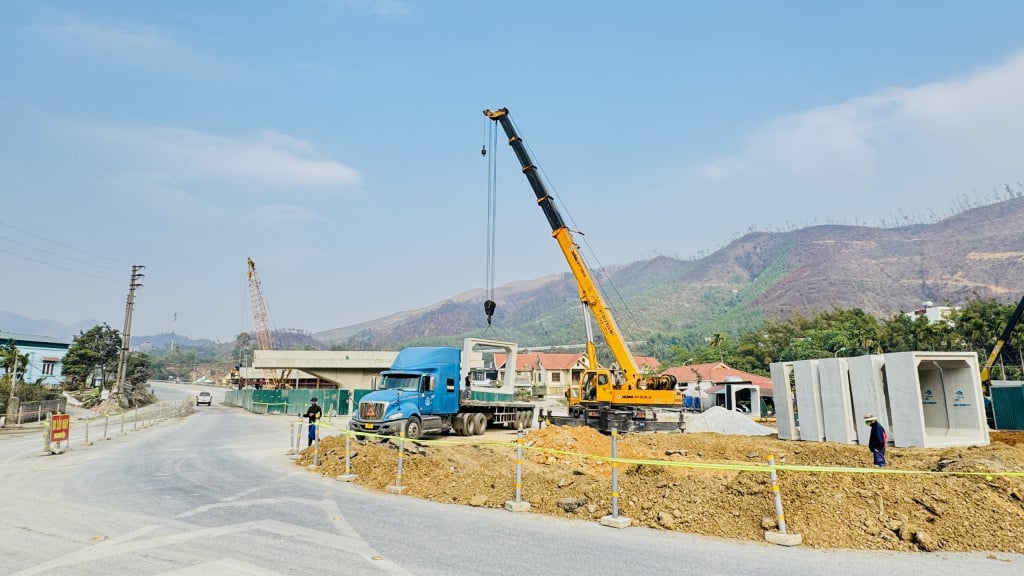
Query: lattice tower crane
pixel 264 338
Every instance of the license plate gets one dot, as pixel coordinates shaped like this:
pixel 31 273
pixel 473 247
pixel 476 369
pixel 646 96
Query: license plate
pixel 368 426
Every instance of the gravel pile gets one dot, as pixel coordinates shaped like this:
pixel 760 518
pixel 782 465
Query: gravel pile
pixel 722 421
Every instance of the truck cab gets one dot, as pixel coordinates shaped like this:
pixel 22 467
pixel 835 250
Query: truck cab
pixel 427 390
pixel 420 390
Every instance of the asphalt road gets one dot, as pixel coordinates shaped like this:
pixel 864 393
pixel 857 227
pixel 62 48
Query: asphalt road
pixel 216 493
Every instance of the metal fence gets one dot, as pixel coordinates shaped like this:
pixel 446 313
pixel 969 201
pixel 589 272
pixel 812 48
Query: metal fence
pixel 36 411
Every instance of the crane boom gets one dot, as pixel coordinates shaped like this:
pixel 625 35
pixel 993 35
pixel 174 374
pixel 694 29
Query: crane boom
pixel 632 388
pixel 264 335
pixel 1003 339
pixel 264 340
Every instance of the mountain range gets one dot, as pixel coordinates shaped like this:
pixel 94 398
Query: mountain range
pixel 976 253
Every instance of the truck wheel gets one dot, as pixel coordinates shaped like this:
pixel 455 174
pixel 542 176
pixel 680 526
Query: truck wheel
pixel 525 420
pixel 413 429
pixel 479 423
pixel 469 426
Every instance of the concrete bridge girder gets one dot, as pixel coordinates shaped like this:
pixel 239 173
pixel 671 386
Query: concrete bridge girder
pixel 350 370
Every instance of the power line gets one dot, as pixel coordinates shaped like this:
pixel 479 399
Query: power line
pixel 68 246
pixel 51 265
pixel 44 251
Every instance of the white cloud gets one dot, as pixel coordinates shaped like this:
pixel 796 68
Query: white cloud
pixel 269 160
pixel 907 150
pixel 127 43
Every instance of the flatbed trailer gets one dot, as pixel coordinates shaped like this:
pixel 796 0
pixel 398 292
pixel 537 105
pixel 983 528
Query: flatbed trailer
pixel 605 419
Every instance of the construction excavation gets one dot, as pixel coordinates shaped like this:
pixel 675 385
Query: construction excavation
pixel 626 449
pixel 952 499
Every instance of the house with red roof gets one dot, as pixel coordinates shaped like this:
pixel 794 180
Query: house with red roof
pixel 715 374
pixel 549 374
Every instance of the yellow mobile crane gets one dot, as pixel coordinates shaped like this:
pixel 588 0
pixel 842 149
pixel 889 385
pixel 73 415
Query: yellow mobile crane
pixel 625 400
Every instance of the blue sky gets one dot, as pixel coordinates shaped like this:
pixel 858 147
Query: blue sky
pixel 337 142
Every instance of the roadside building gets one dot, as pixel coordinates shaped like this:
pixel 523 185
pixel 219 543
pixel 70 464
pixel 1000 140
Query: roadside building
pixel 45 357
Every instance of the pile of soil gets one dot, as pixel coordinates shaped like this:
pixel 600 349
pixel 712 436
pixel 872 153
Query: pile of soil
pixel 566 473
pixel 107 408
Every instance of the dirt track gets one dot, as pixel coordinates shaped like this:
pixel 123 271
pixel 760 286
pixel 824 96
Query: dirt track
pixel 922 511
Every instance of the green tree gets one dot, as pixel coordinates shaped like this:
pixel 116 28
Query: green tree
pixel 242 347
pixel 97 348
pixel 136 390
pixel 10 358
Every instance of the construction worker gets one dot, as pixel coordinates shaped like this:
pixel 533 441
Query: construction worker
pixel 313 413
pixel 877 440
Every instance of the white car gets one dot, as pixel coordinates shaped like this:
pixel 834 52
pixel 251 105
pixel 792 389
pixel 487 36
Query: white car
pixel 204 398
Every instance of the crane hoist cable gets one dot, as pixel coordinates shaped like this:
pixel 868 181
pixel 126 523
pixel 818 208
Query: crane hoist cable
pixel 492 208
pixel 603 281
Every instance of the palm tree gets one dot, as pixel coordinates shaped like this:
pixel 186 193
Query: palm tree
pixel 11 361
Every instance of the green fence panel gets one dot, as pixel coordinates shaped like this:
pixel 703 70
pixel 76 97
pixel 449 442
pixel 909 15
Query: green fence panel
pixel 1008 407
pixel 329 399
pixel 294 401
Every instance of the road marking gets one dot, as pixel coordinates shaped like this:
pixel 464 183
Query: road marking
pixel 226 566
pixel 350 543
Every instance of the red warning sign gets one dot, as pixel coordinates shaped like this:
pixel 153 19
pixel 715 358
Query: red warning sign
pixel 60 427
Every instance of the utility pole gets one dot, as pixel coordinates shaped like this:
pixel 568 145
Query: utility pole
pixel 126 335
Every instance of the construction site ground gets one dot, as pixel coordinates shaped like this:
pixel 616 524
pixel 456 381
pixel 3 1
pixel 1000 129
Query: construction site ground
pixel 927 499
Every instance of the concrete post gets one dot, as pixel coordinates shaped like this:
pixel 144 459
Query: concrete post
pixel 86 443
pixel 781 537
pixel 46 437
pixel 518 505
pixel 397 488
pixel 614 520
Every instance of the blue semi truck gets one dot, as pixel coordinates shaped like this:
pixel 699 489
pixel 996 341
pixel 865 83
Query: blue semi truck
pixel 433 390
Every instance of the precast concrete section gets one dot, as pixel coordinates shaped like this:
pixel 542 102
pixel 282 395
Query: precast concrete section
pixel 936 399
pixel 350 370
pixel 783 394
pixel 867 387
pixel 808 401
pixel 836 401
pixel 925 399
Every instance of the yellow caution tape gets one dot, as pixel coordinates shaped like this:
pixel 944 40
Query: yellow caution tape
pixel 989 475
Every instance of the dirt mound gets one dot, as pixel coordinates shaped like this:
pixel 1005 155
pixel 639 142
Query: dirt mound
pixel 675 486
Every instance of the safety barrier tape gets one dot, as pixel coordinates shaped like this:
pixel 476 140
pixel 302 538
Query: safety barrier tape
pixel 988 475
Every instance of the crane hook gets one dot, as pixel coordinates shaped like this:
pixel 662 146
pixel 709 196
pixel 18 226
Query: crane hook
pixel 489 307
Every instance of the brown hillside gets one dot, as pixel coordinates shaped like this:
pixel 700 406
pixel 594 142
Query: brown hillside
pixel 977 253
